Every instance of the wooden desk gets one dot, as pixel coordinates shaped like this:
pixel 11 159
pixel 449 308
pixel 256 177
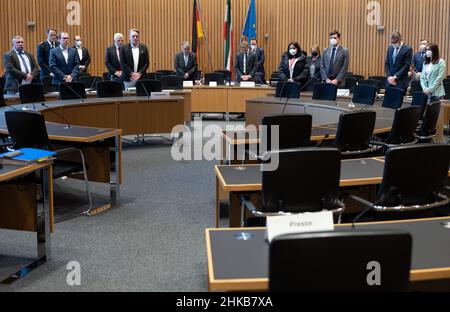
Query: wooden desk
pixel 19 209
pixel 101 147
pixel 237 265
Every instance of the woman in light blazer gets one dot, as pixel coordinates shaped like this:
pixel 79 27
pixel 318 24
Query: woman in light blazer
pixel 433 74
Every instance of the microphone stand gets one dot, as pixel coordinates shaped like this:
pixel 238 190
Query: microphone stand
pixel 74 92
pixel 68 126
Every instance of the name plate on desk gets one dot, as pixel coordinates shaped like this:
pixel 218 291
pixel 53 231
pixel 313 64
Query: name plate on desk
pixel 247 84
pixel 213 83
pixel 163 93
pixel 300 223
pixel 188 84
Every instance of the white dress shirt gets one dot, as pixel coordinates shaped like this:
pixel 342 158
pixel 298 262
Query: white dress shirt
pixel 135 50
pixel 80 53
pixel 24 66
pixel 65 53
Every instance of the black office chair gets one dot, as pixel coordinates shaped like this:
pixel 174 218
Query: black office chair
pixel 314 262
pixel 296 186
pixel 413 180
pixel 325 91
pixel 166 72
pixel 226 73
pixel 364 94
pixel 420 99
pixel 427 131
pixel 308 83
pixel 152 76
pixel 339 261
pixel 274 78
pixel 106 76
pixel 288 89
pixel 90 82
pixel 374 83
pixel 146 87
pixel 72 91
pixel 415 87
pixel 354 134
pixel 47 84
pixel 393 98
pixel 31 93
pixel 294 130
pixel 28 129
pixel 381 79
pixel 447 90
pixel 350 83
pixel 217 77
pixel 109 88
pixel 172 82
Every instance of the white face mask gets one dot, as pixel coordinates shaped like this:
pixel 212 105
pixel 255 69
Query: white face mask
pixel 253 47
pixel 423 47
pixel 333 42
pixel 429 54
pixel 293 51
pixel 78 44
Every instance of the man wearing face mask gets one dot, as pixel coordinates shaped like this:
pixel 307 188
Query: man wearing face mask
pixel 83 55
pixel 186 62
pixel 312 68
pixel 246 64
pixel 398 62
pixel 335 61
pixel 418 59
pixel 292 63
pixel 261 58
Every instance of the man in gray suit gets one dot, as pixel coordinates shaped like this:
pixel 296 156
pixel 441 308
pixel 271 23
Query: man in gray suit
pixel 335 61
pixel 246 64
pixel 20 66
pixel 186 62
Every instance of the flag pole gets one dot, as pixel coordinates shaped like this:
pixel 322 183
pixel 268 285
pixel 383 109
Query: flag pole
pixel 210 61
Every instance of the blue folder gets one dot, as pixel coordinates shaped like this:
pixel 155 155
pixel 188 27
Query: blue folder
pixel 32 155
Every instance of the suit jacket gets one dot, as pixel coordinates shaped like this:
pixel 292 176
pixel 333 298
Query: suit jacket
pixel 112 61
pixel 43 55
pixel 435 82
pixel 309 64
pixel 60 68
pixel 251 66
pixel 299 68
pixel 182 69
pixel 13 72
pixel 127 61
pixel 261 58
pixel 401 67
pixel 340 67
pixel 417 61
pixel 86 60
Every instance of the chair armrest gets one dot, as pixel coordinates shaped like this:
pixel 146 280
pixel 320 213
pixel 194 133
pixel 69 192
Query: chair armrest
pixel 379 143
pixel 246 203
pixel 358 199
pixel 67 151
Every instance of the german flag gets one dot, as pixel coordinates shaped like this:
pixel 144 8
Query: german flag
pixel 197 28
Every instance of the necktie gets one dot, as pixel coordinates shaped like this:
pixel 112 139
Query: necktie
pixel 24 63
pixel 394 56
pixel 53 45
pixel 186 60
pixel 118 58
pixel 245 63
pixel 330 68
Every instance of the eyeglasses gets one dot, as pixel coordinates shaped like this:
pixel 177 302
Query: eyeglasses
pixel 64 38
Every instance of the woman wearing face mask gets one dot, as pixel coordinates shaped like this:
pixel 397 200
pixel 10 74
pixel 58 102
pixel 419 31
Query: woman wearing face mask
pixel 292 63
pixel 433 73
pixel 312 67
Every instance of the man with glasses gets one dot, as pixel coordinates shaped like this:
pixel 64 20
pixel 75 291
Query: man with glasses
pixel 64 62
pixel 20 66
pixel 134 60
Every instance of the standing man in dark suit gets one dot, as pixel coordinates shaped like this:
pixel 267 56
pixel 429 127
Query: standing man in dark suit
pixel 43 52
pixel 64 62
pixel 186 62
pixel 418 60
pixel 246 64
pixel 261 58
pixel 335 61
pixel 134 60
pixel 83 55
pixel 398 62
pixel 20 66
pixel 112 58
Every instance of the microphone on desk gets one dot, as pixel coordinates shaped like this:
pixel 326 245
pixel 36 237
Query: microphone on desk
pixel 74 92
pixel 146 91
pixel 94 83
pixel 68 126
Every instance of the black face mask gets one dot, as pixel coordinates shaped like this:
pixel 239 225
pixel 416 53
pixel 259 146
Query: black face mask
pixel 315 54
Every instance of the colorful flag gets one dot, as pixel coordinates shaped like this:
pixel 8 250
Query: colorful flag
pixel 228 38
pixel 197 28
pixel 250 23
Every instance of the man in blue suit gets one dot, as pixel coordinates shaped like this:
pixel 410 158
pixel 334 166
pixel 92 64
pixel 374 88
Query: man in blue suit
pixel 63 62
pixel 398 62
pixel 261 58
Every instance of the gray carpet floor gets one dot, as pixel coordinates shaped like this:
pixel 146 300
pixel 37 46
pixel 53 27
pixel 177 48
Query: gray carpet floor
pixel 154 241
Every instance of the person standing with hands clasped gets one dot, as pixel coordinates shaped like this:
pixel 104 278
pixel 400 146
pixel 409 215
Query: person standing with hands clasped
pixel 433 73
pixel 292 63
